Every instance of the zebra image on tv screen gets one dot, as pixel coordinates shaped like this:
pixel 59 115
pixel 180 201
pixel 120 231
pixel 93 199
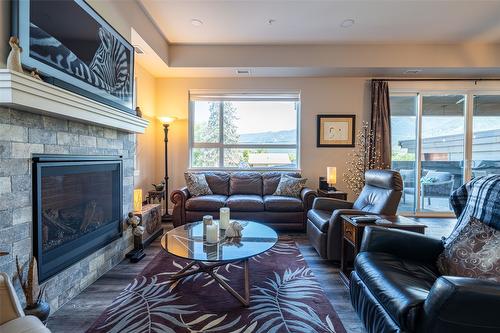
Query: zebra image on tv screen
pixel 65 37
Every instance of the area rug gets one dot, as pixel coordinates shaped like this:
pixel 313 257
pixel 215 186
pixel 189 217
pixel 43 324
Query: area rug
pixel 284 297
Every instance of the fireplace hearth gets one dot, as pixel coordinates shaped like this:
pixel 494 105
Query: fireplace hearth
pixel 77 208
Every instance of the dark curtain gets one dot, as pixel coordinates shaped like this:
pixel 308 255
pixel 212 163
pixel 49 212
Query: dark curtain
pixel 380 126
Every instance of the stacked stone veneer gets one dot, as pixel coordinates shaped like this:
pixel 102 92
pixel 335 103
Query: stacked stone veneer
pixel 23 134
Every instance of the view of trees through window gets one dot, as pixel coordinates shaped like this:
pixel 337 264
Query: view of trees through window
pixel 244 134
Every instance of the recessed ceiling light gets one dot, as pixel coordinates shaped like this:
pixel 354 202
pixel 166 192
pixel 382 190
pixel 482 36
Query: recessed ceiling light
pixel 271 21
pixel 196 22
pixel 347 23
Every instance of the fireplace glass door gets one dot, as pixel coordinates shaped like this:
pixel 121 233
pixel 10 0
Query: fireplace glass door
pixel 78 210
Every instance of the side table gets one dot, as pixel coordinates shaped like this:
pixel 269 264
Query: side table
pixel 332 194
pixel 150 216
pixel 352 234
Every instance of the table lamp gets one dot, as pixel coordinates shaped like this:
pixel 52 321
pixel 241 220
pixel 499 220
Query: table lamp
pixel 331 177
pixel 137 200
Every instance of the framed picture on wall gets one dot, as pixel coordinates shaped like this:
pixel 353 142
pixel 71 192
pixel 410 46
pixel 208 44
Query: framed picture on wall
pixel 74 48
pixel 336 130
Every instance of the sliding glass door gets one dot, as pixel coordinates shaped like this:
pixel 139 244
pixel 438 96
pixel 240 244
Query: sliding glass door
pixel 486 136
pixel 442 150
pixel 440 141
pixel 404 146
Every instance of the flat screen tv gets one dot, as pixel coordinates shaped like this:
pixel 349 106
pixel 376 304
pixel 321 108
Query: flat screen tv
pixel 75 48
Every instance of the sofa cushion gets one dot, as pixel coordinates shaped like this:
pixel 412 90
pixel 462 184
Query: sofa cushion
pixel 320 218
pixel 245 203
pixel 401 286
pixel 271 179
pixel 218 182
pixel 290 186
pixel 209 203
pixel 246 183
pixel 474 253
pixel 197 184
pixel 276 203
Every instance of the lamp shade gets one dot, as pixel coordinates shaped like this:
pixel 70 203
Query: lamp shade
pixel 331 175
pixel 137 200
pixel 167 119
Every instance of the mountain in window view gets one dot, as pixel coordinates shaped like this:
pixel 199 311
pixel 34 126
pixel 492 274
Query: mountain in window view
pixel 279 137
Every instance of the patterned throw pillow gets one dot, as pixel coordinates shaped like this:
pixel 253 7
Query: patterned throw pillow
pixel 474 252
pixel 290 186
pixel 197 184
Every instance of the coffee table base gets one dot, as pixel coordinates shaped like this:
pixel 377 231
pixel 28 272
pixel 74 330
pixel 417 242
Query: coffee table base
pixel 209 269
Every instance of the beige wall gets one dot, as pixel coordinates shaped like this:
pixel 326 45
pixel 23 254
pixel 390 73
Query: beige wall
pixel 148 144
pixel 318 96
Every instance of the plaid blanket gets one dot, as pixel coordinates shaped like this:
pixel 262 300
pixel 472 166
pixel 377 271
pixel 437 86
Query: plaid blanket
pixel 479 198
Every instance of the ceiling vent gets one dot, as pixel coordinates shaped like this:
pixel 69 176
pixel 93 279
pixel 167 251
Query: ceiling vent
pixel 243 72
pixel 138 49
pixel 412 71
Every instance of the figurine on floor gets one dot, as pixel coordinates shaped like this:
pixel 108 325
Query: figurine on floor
pixel 14 57
pixel 137 254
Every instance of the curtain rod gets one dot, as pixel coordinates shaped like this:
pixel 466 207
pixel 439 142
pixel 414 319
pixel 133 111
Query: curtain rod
pixel 450 79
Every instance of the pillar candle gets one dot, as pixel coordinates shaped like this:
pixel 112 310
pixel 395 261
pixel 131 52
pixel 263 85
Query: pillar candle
pixel 224 218
pixel 212 233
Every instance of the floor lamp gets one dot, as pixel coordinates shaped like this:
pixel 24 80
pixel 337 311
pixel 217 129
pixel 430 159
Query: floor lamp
pixel 166 121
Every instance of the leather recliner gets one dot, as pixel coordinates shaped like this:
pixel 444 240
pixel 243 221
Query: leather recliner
pixel 380 195
pixel 396 287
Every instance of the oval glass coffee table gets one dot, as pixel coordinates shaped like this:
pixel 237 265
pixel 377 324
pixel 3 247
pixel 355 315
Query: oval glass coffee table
pixel 187 242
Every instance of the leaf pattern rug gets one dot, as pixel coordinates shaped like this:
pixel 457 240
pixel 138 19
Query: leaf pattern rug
pixel 284 297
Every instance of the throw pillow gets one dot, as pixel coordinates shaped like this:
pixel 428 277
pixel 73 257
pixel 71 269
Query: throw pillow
pixel 197 184
pixel 290 186
pixel 472 253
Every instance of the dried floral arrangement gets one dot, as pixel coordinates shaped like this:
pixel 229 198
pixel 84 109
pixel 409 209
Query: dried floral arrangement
pixel 30 286
pixel 362 158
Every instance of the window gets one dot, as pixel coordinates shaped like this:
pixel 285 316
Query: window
pixel 441 139
pixel 244 131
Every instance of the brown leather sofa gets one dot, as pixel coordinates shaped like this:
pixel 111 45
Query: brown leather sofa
pixel 380 195
pixel 249 196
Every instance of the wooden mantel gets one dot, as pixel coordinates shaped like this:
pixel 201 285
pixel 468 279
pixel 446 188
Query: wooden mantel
pixel 23 92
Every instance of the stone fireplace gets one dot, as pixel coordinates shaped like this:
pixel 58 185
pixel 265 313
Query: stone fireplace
pixel 24 135
pixel 77 208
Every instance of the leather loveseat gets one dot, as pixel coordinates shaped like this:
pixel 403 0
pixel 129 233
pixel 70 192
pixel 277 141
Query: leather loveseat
pixel 249 195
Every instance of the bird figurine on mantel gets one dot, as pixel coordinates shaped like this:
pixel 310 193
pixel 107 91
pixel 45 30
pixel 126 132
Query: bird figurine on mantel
pixel 14 58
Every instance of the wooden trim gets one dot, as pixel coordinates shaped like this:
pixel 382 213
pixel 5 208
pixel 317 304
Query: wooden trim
pixel 26 93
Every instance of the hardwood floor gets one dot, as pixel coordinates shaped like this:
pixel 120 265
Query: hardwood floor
pixel 79 313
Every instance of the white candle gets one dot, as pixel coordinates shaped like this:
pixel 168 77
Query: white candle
pixel 224 218
pixel 212 233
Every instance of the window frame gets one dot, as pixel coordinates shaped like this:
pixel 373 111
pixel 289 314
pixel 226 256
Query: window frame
pixel 420 89
pixel 221 146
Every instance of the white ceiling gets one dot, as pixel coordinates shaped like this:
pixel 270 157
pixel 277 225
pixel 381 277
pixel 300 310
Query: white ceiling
pixel 318 22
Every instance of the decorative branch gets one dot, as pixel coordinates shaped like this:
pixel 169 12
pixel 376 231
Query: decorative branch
pixel 30 286
pixel 362 158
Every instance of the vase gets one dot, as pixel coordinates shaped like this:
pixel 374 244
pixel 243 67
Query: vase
pixel 41 310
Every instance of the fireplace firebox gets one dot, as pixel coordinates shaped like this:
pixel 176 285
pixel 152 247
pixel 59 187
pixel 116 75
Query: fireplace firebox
pixel 77 208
